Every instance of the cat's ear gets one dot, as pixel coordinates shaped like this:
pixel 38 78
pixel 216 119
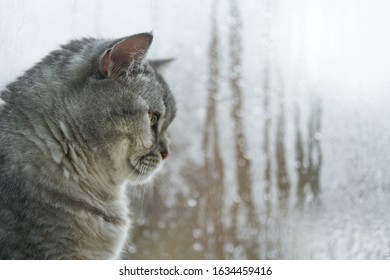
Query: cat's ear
pixel 126 54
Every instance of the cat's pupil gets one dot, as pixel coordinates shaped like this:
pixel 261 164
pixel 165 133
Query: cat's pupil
pixel 154 117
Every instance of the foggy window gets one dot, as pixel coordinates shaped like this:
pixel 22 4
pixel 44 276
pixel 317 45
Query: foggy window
pixel 280 148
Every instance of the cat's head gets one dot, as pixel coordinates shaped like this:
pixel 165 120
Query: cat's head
pixel 119 107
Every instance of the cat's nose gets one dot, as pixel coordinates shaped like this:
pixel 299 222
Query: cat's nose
pixel 164 154
pixel 164 148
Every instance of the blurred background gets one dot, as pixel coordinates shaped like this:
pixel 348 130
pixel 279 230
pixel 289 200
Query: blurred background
pixel 280 148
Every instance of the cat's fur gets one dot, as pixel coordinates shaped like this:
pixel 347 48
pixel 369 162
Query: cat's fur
pixel 74 131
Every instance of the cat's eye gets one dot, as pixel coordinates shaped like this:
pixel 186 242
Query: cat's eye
pixel 153 117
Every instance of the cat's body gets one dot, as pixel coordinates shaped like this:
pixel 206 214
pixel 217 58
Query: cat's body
pixel 74 130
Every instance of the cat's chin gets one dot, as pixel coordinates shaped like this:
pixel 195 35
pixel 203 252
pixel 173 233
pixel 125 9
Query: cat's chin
pixel 140 176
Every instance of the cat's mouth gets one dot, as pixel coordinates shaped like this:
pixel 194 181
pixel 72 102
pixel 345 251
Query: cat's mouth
pixel 144 168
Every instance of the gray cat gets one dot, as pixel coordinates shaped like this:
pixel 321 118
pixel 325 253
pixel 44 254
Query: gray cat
pixel 75 129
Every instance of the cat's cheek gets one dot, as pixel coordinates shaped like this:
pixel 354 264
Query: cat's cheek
pixel 118 163
pixel 145 141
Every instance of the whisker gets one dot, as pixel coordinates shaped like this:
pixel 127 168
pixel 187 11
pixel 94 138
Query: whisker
pixel 141 171
pixel 133 187
pixel 135 168
pixel 142 201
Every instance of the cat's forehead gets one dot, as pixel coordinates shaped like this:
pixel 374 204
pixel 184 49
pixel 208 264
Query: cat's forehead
pixel 151 90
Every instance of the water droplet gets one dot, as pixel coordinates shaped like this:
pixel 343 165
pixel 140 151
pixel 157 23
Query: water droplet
pixel 132 249
pixel 198 247
pixel 192 202
pixel 197 233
